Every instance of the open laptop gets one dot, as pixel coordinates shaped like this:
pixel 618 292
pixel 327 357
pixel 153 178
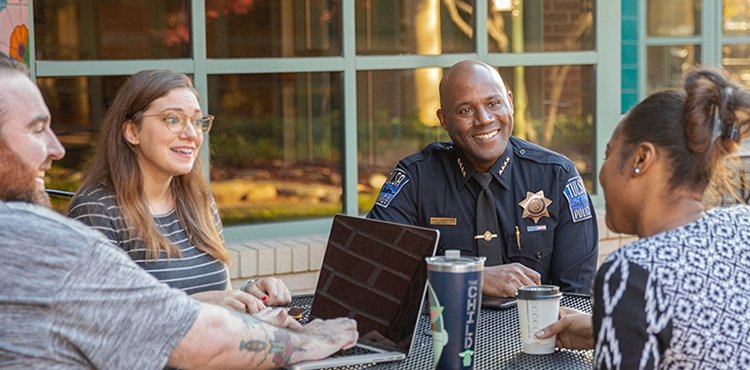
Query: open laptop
pixel 374 272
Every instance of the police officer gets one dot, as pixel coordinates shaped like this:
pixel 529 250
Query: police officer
pixel 544 231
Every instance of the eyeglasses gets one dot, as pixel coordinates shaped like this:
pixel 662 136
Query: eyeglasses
pixel 176 121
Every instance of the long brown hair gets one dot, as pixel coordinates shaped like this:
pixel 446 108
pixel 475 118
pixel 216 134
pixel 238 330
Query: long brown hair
pixel 115 165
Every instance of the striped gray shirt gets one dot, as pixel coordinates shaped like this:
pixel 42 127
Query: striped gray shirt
pixel 194 272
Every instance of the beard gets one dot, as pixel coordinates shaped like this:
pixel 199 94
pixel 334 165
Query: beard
pixel 17 180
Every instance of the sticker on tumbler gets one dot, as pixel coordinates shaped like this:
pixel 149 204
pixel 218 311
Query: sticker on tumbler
pixel 466 355
pixel 472 304
pixel 439 335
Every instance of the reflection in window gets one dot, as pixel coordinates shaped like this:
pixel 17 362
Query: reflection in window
pixel 736 17
pixel 395 118
pixel 424 27
pixel 77 105
pixel 673 18
pixel 554 107
pixel 668 64
pixel 276 145
pixel 540 25
pixel 90 29
pixel 736 61
pixel 272 28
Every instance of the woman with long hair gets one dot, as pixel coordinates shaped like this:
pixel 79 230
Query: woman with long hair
pixel 679 297
pixel 146 192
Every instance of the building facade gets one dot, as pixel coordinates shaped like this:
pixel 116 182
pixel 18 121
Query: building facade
pixel 316 100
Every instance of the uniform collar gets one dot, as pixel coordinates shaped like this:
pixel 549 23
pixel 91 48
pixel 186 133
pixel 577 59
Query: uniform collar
pixel 500 170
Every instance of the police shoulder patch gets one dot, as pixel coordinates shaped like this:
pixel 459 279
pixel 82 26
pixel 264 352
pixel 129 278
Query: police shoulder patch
pixel 396 181
pixel 578 199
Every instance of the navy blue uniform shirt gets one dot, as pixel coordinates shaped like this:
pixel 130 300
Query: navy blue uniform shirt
pixel 434 188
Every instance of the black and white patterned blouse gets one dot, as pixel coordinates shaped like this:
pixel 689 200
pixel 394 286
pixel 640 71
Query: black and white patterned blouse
pixel 679 299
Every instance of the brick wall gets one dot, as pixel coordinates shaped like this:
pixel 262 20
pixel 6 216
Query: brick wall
pixel 610 241
pixel 297 260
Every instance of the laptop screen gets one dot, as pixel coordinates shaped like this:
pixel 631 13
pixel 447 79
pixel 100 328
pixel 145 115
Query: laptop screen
pixel 375 272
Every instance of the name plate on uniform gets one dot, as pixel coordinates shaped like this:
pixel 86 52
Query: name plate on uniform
pixel 443 221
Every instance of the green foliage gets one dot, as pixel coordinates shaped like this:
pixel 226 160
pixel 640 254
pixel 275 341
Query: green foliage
pixel 239 143
pixel 365 200
pixel 575 130
pixel 277 212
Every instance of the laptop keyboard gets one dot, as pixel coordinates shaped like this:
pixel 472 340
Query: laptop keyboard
pixel 356 350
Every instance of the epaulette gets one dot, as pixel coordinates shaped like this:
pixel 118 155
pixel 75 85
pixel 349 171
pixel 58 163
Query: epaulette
pixel 539 154
pixel 428 151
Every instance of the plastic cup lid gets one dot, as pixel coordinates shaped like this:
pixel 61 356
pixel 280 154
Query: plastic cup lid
pixel 452 261
pixel 538 292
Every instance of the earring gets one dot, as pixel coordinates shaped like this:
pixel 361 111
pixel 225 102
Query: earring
pixel 636 170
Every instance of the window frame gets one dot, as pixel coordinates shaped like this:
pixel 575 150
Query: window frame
pixel 605 58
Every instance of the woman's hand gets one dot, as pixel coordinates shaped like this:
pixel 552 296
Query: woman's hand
pixel 574 330
pixel 271 291
pixel 233 299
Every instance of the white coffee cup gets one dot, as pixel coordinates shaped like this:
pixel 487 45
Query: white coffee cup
pixel 538 306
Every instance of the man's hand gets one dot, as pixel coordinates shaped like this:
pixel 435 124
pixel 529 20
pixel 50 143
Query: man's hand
pixel 574 330
pixel 504 280
pixel 274 290
pixel 329 336
pixel 224 340
pixel 279 317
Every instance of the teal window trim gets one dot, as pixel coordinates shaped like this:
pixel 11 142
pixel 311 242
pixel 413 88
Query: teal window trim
pixel 630 61
pixel 605 58
pixel 641 37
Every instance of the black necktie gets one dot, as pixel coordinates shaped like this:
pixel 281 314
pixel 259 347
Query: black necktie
pixel 487 227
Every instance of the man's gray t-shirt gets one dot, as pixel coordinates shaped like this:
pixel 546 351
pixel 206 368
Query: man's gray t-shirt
pixel 71 300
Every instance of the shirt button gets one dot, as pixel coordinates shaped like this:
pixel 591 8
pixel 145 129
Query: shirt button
pixel 522 151
pixel 539 255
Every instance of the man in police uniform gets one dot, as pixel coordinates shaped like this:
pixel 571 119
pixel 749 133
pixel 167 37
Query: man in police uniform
pixel 545 231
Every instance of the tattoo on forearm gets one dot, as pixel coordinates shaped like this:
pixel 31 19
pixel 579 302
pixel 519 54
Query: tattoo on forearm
pixel 250 321
pixel 280 347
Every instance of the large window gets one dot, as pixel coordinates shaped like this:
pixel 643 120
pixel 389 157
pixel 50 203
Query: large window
pixel 91 29
pixel 426 27
pixel 395 118
pixel 555 108
pixel 537 25
pixel 272 28
pixel 316 100
pixel 276 148
pixel 735 49
pixel 681 34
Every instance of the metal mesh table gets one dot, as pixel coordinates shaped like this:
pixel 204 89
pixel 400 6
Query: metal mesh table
pixel 498 343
